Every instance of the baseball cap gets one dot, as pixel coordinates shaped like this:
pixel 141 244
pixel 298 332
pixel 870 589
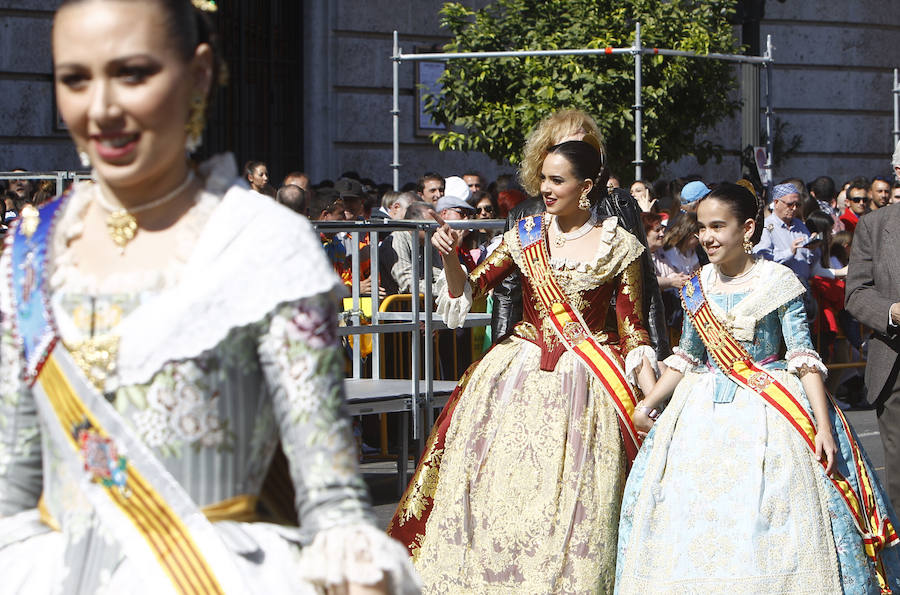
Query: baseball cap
pixel 348 187
pixel 452 202
pixel 456 186
pixel 693 191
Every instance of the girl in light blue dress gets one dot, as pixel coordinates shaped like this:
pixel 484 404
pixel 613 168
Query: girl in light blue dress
pixel 729 494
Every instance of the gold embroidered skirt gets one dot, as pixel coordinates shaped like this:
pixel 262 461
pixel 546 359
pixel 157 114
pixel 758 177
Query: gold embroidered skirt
pixel 530 482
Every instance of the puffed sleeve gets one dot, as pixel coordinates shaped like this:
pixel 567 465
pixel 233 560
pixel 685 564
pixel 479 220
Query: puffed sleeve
pixel 303 365
pixel 633 338
pixel 21 478
pixel 690 351
pixel 487 275
pixel 800 355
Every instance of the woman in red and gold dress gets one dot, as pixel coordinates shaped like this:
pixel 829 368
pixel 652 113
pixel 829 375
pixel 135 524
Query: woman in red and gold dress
pixel 533 449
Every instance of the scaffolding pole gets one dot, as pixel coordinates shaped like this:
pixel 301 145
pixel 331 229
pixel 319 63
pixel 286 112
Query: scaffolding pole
pixel 896 130
pixel 638 106
pixel 637 50
pixel 770 116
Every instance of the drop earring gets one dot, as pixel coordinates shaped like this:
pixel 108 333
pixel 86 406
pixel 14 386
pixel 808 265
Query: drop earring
pixel 84 158
pixel 584 203
pixel 748 246
pixel 195 124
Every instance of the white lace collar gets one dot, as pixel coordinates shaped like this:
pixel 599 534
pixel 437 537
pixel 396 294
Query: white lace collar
pixel 68 278
pixel 781 286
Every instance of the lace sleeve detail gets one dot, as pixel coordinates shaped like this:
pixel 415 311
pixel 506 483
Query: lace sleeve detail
pixel 453 310
pixel 681 360
pixel 303 366
pixel 21 473
pixel 801 361
pixel 360 554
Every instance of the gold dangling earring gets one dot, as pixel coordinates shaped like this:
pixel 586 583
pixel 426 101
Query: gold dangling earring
pixel 584 202
pixel 196 123
pixel 748 246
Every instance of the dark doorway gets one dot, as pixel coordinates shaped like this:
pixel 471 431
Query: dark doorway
pixel 259 114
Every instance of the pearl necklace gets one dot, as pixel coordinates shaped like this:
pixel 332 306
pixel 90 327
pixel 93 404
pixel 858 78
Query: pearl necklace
pixel 563 237
pixel 121 223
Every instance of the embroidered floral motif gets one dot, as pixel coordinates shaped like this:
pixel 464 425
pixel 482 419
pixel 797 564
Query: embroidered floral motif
pixel 177 412
pixel 101 457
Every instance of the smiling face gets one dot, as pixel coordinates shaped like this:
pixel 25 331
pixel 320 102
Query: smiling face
pixel 656 236
pixel 856 200
pixel 721 234
pixel 124 89
pixel 560 188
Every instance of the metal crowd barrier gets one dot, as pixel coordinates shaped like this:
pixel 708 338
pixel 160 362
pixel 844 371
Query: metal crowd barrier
pixel 417 397
pixel 60 177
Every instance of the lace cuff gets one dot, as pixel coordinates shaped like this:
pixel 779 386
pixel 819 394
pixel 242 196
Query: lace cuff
pixel 681 361
pixel 453 310
pixel 798 359
pixel 634 359
pixel 359 554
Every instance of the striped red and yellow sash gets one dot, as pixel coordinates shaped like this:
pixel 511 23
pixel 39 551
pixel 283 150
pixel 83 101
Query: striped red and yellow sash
pixel 574 332
pixel 735 361
pixel 164 532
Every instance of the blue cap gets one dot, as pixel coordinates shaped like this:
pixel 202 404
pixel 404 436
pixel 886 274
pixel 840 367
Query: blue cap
pixel 694 191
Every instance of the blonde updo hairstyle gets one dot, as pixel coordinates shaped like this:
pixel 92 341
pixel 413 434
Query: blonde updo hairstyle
pixel 551 131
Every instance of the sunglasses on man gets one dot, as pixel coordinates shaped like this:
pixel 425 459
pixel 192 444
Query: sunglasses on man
pixel 856 198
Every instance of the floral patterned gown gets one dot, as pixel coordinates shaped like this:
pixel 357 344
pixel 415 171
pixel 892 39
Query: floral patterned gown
pixel 260 367
pixel 519 491
pixel 725 496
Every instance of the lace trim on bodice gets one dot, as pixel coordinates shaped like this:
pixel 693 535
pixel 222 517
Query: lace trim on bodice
pixel 780 287
pixel 68 278
pixel 615 251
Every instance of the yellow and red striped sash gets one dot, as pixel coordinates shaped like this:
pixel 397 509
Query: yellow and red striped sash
pixel 574 332
pixel 735 361
pixel 162 529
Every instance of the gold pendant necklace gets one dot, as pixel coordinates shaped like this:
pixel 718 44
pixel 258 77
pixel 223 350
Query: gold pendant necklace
pixel 121 224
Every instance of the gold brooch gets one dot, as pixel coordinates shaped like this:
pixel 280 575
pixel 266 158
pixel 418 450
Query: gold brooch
pixel 689 289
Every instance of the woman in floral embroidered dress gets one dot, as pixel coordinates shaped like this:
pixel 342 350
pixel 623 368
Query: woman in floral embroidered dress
pixel 188 326
pixel 726 496
pixel 533 464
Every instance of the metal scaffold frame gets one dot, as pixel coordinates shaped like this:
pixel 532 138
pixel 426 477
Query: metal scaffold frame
pixel 638 50
pixel 896 92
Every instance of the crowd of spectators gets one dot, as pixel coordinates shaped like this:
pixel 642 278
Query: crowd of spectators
pixel 808 227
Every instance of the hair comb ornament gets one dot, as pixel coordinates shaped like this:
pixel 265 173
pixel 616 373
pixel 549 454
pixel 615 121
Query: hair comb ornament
pixel 205 5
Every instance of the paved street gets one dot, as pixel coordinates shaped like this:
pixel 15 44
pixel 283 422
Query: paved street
pixel 382 478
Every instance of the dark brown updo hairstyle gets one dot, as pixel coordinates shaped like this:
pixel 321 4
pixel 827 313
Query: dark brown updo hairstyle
pixel 188 27
pixel 742 203
pixel 586 162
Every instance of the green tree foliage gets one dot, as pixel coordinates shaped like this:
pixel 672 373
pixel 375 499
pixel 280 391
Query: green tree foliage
pixel 490 105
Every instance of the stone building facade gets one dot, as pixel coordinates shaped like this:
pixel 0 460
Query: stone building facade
pixel 323 103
